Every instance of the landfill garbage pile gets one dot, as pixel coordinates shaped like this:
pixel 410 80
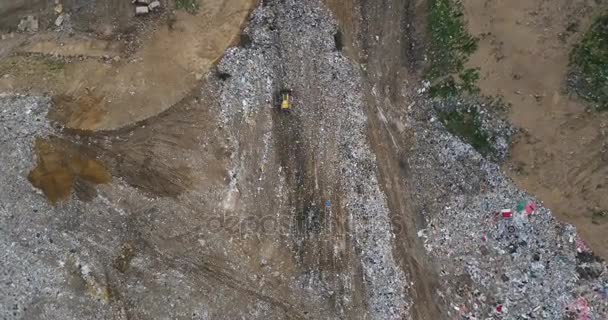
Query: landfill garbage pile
pixel 128 253
pixel 290 44
pixel 499 252
pixel 486 115
pixel 32 279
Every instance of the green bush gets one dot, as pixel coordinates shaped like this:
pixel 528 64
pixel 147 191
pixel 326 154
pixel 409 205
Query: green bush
pixel 191 6
pixel 467 125
pixel 589 65
pixel 451 44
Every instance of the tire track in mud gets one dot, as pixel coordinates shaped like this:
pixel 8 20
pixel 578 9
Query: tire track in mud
pixel 223 276
pixel 319 230
pixel 318 222
pixel 332 108
pixel 387 38
pixel 325 154
pixel 297 164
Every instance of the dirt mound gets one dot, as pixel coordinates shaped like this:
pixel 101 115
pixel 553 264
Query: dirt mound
pixel 119 87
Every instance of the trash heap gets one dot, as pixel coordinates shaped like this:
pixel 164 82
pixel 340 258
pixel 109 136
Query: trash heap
pixel 499 253
pixel 28 24
pixel 291 45
pixel 143 7
pixel 489 118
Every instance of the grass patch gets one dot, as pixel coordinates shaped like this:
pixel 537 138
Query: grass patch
pixel 54 65
pixel 589 64
pixel 467 125
pixel 451 44
pixel 450 48
pixel 450 86
pixel 190 6
pixel 454 86
pixel 33 65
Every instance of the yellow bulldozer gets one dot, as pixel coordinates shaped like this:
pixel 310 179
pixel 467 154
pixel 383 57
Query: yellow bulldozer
pixel 286 100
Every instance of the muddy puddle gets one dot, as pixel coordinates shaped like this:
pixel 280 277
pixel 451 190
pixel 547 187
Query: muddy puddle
pixel 62 168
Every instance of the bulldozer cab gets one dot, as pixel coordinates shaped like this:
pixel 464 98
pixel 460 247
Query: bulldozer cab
pixel 285 100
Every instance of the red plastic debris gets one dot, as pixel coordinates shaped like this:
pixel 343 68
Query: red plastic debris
pixel 483 238
pixel 507 214
pixel 530 208
pixel 581 308
pixel 499 308
pixel 581 245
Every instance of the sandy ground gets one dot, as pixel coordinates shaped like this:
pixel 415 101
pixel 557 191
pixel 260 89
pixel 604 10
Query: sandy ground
pixel 562 156
pixel 104 86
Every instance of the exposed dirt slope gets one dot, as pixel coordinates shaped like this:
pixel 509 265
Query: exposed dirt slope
pixel 562 156
pixel 173 54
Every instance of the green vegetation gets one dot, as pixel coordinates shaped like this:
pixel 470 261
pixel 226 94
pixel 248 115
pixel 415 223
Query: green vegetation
pixel 469 79
pixel 54 65
pixel 467 125
pixel 453 86
pixel 448 87
pixel 589 65
pixel 451 46
pixel 191 6
pixel 30 65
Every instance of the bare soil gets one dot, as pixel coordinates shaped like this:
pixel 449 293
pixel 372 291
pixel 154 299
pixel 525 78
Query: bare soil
pixel 103 85
pixel 385 39
pixel 562 154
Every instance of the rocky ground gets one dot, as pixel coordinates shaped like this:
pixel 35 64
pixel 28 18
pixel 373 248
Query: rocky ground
pixel 357 204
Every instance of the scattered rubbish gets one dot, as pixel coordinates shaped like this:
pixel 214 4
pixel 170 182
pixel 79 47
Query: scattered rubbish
pixel 7 36
pixel 499 308
pixel 58 8
pixel 580 309
pixel 425 86
pixel 449 174
pixel 145 6
pixel 581 245
pixel 154 5
pixel 59 20
pixel 28 24
pixel 520 206
pixel 141 10
pixel 422 233
pixel 530 208
pixel 524 255
pixel 526 207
